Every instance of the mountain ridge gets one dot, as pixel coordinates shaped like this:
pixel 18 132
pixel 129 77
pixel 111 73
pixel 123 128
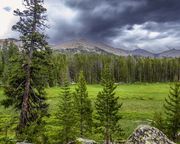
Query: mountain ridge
pixel 87 46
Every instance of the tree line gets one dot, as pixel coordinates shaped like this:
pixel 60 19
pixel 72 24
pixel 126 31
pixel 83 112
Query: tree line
pixel 124 69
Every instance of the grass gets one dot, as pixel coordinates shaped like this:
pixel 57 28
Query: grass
pixel 140 102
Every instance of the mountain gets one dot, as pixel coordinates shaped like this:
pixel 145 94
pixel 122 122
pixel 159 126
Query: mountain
pixel 170 53
pixel 141 52
pixel 86 46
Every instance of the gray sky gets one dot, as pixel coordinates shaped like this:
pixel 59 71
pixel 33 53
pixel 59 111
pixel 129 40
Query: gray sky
pixel 149 24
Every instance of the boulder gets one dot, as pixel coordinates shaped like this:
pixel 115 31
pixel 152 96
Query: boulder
pixel 83 141
pixel 23 143
pixel 145 134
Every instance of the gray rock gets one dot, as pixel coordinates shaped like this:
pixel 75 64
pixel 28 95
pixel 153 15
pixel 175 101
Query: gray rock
pixel 23 143
pixel 84 141
pixel 145 134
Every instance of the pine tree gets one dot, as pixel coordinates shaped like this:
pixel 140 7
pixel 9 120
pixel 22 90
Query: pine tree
pixel 158 121
pixel 172 111
pixel 83 107
pixel 9 54
pixel 5 62
pixel 65 115
pixel 1 67
pixel 107 108
pixel 28 77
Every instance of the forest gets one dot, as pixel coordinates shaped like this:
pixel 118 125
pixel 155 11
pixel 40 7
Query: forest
pixel 123 69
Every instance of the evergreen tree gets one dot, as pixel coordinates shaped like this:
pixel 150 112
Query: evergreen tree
pixel 10 53
pixel 7 126
pixel 28 77
pixel 5 62
pixel 172 111
pixel 107 108
pixel 158 121
pixel 65 115
pixel 83 107
pixel 1 67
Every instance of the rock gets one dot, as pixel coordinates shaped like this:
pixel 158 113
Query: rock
pixel 84 141
pixel 178 137
pixel 23 143
pixel 145 134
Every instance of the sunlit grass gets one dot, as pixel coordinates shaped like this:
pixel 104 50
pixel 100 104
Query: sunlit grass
pixel 140 102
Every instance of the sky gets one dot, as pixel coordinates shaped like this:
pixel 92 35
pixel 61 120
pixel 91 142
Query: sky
pixel 152 25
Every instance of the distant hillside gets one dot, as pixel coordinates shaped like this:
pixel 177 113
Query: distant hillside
pixel 141 52
pixel 170 53
pixel 87 46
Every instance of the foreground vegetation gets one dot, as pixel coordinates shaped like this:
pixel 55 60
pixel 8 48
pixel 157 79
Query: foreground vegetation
pixel 140 102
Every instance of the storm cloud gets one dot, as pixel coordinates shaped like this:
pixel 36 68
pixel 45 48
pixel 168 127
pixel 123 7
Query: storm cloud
pixel 149 24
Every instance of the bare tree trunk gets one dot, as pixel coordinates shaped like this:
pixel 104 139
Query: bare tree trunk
pixel 25 103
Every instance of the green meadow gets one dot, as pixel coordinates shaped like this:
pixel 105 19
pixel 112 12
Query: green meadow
pixel 140 102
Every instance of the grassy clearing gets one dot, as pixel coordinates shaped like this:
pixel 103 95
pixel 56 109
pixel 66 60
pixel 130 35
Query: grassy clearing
pixel 140 102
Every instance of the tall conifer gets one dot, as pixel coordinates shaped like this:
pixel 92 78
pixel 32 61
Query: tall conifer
pixel 83 107
pixel 172 111
pixel 28 78
pixel 65 115
pixel 107 108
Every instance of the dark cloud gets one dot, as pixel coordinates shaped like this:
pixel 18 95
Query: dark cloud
pixel 7 8
pixel 106 20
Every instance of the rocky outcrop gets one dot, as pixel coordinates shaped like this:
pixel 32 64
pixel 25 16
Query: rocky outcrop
pixel 145 134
